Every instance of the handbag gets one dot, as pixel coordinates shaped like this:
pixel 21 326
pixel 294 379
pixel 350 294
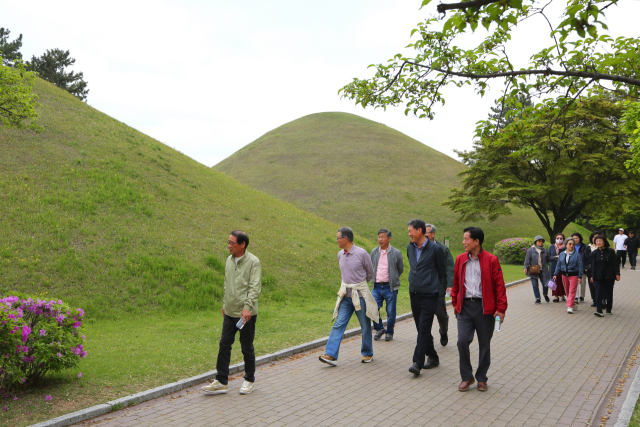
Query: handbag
pixel 552 285
pixel 534 269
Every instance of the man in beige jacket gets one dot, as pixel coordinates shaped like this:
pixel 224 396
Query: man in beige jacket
pixel 242 286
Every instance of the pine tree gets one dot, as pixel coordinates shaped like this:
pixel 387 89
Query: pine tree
pixel 51 67
pixel 499 112
pixel 10 51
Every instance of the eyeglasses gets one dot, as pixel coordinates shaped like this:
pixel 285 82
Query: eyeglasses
pixel 231 242
pixel 340 238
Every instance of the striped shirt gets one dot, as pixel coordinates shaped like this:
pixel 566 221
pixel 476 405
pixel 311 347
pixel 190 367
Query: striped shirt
pixel 473 278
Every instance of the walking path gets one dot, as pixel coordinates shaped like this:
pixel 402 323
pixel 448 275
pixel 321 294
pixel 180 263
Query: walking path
pixel 548 368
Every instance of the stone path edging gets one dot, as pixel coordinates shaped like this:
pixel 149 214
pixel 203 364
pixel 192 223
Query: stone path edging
pixel 629 402
pixel 143 396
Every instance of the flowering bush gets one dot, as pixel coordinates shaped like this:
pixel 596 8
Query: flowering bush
pixel 36 337
pixel 512 251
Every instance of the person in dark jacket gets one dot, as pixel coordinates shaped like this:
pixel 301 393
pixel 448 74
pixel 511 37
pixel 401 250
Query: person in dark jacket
pixel 592 247
pixel 537 255
pixel 554 251
pixel 605 271
pixel 427 271
pixel 585 252
pixel 478 296
pixel 441 312
pixel 632 243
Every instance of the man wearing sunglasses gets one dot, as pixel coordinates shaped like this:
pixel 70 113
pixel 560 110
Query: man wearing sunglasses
pixel 242 286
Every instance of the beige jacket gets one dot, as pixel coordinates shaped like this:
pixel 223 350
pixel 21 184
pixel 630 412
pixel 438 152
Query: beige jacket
pixel 242 285
pixel 371 305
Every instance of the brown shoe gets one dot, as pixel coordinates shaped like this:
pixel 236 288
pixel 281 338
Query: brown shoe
pixel 464 385
pixel 482 386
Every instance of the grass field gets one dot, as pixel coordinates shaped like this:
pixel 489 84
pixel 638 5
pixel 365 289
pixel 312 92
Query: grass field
pixel 134 232
pixel 363 174
pixel 635 418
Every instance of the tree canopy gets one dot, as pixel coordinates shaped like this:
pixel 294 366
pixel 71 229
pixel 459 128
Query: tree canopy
pixel 578 60
pixel 17 100
pixel 575 164
pixel 51 66
pixel 10 51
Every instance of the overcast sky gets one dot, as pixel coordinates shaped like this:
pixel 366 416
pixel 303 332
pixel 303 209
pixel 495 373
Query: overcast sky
pixel 208 77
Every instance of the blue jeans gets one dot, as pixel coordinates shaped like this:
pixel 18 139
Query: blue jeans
pixel 345 311
pixel 382 293
pixel 536 289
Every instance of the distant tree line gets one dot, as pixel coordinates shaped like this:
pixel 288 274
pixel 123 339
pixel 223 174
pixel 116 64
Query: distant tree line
pixel 51 65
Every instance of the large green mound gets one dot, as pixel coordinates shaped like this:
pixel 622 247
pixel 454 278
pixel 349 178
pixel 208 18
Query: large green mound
pixel 359 173
pixel 110 219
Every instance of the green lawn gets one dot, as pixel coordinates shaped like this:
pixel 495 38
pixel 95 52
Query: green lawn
pixel 635 418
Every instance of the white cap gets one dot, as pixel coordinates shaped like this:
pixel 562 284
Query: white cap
pixel 620 229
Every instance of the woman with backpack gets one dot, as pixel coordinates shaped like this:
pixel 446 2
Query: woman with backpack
pixel 605 271
pixel 570 266
pixel 536 266
pixel 554 251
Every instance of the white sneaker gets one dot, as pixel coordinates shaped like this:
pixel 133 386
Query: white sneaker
pixel 216 387
pixel 247 387
pixel 570 310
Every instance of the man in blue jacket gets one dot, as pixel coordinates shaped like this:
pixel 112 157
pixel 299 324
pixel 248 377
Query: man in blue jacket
pixel 427 272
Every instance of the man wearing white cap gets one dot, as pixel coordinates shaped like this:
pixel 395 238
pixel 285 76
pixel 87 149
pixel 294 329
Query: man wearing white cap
pixel 621 250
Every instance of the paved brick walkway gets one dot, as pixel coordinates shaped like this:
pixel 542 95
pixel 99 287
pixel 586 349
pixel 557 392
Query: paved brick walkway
pixel 548 368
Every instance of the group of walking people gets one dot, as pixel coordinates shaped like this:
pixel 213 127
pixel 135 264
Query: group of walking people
pixel 474 281
pixel 570 264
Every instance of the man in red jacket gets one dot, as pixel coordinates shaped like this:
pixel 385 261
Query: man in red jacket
pixel 478 296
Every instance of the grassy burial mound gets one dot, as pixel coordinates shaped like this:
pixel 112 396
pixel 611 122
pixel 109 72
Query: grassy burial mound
pixel 134 232
pixel 100 214
pixel 356 172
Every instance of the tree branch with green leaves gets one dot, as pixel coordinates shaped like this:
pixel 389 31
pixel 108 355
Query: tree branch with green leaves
pixel 558 171
pixel 18 102
pixel 578 58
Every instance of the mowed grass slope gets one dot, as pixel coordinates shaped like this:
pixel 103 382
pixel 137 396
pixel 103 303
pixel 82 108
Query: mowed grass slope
pixel 359 173
pixel 97 213
pixel 111 220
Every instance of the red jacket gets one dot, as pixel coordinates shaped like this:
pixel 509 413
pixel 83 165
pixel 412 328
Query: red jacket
pixel 494 294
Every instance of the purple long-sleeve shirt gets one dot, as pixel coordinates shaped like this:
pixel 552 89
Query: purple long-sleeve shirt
pixel 355 266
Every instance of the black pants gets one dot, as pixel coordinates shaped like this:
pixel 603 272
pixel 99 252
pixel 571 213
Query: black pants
pixel 423 307
pixel 592 288
pixel 247 333
pixel 443 317
pixel 472 319
pixel 622 257
pixel 604 292
pixel 632 257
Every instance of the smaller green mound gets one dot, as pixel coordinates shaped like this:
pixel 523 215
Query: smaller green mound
pixel 363 174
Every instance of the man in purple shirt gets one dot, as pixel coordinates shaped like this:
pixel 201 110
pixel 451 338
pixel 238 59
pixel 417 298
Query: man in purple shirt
pixel 354 295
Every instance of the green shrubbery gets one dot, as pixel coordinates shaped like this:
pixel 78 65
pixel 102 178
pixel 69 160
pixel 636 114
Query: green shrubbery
pixel 37 337
pixel 512 251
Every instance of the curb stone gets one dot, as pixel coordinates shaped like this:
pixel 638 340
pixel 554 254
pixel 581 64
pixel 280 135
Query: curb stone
pixel 143 396
pixel 629 402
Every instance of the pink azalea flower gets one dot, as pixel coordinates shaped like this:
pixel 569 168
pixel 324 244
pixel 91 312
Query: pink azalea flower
pixel 80 375
pixel 43 332
pixel 48 397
